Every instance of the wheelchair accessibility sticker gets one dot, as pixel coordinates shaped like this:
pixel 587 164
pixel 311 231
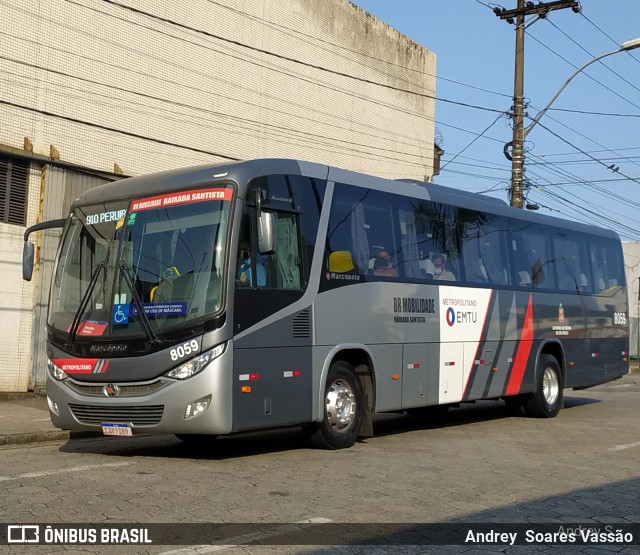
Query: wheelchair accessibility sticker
pixel 120 314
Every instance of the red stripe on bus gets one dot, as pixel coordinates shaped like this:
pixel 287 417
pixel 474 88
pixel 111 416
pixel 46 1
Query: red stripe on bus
pixel 522 354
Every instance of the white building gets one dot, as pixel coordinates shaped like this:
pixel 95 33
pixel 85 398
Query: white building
pixel 136 87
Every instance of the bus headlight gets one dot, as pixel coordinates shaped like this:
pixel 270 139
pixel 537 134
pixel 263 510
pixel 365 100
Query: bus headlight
pixel 55 371
pixel 196 364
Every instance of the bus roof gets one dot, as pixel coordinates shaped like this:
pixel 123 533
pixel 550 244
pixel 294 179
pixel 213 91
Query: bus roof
pixel 244 171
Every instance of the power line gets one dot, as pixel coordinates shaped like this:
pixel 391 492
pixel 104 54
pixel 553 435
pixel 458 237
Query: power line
pixel 288 58
pixel 291 31
pixel 592 113
pixel 585 153
pixel 592 140
pixel 585 72
pixel 592 55
pixel 237 121
pixel 474 140
pixel 609 37
pixel 114 130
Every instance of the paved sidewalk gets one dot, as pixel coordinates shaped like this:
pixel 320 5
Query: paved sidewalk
pixel 24 417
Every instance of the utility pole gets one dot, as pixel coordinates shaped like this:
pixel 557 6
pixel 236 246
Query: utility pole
pixel 540 9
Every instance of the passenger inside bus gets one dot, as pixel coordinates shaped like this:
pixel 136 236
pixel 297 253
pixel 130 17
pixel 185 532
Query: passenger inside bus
pixel 383 265
pixel 439 267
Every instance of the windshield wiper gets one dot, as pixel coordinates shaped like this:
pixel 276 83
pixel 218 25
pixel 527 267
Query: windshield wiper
pixel 144 319
pixel 75 324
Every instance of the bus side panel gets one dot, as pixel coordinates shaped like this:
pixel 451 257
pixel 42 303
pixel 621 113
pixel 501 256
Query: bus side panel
pixel 420 374
pixel 593 336
pixel 271 387
pixel 272 372
pixel 386 318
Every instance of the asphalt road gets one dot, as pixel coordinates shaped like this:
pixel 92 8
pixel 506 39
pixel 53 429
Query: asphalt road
pixel 476 465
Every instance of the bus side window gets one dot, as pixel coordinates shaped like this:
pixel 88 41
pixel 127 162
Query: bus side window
pixel 532 253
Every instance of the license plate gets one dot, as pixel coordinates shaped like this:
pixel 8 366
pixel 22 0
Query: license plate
pixel 112 429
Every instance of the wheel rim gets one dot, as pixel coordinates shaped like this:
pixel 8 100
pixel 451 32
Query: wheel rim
pixel 341 405
pixel 550 386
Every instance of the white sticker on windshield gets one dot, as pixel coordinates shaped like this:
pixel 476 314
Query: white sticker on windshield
pixel 103 217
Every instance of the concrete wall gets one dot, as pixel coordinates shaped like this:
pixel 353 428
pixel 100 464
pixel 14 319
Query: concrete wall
pixel 134 85
pixel 197 82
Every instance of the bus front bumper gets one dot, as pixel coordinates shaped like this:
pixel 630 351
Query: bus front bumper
pixel 198 405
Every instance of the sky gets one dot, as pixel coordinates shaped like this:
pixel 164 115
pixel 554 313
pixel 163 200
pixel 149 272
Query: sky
pixel 583 158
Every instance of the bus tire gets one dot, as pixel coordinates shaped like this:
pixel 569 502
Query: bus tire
pixel 547 399
pixel 344 409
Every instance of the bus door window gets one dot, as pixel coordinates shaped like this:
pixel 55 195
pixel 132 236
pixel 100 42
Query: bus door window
pixel 309 195
pixel 287 252
pixel 267 282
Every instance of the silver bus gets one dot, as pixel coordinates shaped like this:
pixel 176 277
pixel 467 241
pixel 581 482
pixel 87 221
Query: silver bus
pixel 273 293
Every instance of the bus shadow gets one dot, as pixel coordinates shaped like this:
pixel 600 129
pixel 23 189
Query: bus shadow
pixel 573 402
pixel 169 446
pixel 288 439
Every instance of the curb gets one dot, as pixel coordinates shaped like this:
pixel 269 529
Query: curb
pixel 42 437
pixel 33 437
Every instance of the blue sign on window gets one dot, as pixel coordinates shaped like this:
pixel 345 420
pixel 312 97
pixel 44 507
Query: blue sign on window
pixel 161 309
pixel 120 314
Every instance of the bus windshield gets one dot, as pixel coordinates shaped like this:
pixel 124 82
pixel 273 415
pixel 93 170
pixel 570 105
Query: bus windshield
pixel 139 268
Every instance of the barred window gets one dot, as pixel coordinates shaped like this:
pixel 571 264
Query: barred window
pixel 14 180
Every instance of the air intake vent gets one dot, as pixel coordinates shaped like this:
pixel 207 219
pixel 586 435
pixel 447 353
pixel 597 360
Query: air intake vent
pixel 139 416
pixel 302 324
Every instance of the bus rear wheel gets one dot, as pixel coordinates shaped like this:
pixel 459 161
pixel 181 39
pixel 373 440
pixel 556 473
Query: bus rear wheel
pixel 547 399
pixel 344 409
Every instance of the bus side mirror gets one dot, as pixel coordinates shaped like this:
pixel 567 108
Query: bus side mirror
pixel 266 224
pixel 27 260
pixel 266 232
pixel 27 249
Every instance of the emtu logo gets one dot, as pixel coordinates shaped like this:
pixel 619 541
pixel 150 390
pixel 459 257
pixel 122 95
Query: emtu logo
pixel 451 316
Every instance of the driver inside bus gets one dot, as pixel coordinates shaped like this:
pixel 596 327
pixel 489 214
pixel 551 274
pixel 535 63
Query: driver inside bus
pixel 245 276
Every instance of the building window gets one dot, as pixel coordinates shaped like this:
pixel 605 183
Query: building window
pixel 14 180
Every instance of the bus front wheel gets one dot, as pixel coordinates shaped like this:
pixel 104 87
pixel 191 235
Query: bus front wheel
pixel 547 399
pixel 344 409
